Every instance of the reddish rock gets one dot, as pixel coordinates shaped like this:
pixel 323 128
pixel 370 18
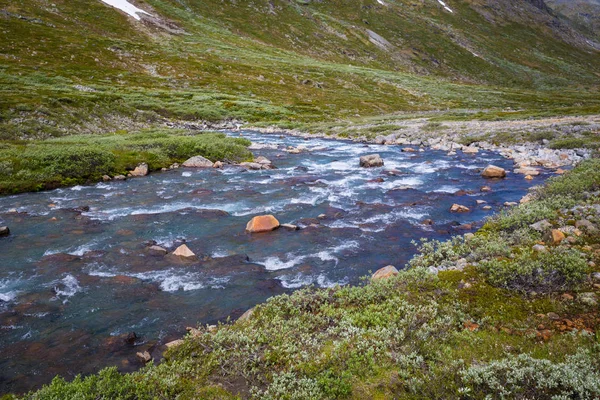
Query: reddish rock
pixel 385 272
pixel 459 209
pixel 262 223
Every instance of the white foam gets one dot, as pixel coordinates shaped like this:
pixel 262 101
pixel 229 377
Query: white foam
pixel 299 280
pixel 173 280
pixel 126 7
pixel 70 287
pixel 275 263
pixel 186 174
pixel 445 189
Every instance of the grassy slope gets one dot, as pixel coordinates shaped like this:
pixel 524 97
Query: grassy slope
pixel 284 63
pixel 464 334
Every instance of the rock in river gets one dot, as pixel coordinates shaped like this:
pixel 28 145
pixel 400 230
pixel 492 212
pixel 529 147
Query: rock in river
pixel 4 231
pixel 184 253
pixel 262 223
pixel 140 170
pixel 491 171
pixel 459 208
pixel 198 162
pixel 371 161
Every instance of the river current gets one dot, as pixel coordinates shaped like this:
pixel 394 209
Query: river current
pixel 76 276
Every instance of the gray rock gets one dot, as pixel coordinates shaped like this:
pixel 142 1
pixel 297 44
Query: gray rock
pixel 120 178
pixel 371 161
pixel 157 251
pixel 585 224
pixel 541 226
pixel 588 299
pixel 290 227
pixel 198 162
pixel 251 165
pixel 539 248
pixel 596 276
pixel 4 231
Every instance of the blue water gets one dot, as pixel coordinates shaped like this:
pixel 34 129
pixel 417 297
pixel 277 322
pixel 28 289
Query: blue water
pixel 73 282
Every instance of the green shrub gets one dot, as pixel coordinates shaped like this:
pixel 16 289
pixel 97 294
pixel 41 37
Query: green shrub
pixel 559 269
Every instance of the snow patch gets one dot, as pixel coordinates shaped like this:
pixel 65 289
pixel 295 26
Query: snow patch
pixel 126 7
pixel 445 6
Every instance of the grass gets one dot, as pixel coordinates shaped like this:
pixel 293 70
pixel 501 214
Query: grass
pixel 419 335
pixel 51 163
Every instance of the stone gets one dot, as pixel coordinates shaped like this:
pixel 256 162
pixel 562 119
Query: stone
pixel 174 343
pixel 459 209
pixel 470 150
pixel 567 297
pixel 106 178
pixel 262 223
pixel 4 231
pixel 540 248
pixel 555 236
pixel 492 171
pixel 485 189
pixel 120 178
pixel 246 316
pixel 560 171
pixel 527 198
pixel 218 164
pixel 541 226
pixel 157 251
pixel 198 162
pixel 385 272
pixel 480 202
pixel 427 221
pixel 461 264
pixel 184 253
pixel 252 166
pixel 408 150
pixel 371 161
pixel 586 225
pixel 262 160
pixel 143 356
pixel 140 170
pixel 553 316
pixel 293 151
pixel 290 227
pixel 486 208
pixel 527 171
pixel 510 204
pixel 529 177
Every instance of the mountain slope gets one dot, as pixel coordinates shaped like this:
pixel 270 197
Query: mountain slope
pixel 79 65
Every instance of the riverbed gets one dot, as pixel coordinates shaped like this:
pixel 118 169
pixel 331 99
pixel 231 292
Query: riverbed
pixel 76 276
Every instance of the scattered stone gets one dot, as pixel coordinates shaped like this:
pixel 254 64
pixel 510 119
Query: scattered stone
pixel 491 171
pixel 470 150
pixel 540 248
pixel 427 222
pixel 585 224
pixel 218 164
pixel 157 251
pixel 144 356
pixel 567 297
pixel 527 198
pixel 140 170
pixel 290 227
pixel 262 223
pixel 408 150
pixel 252 166
pixel 174 343
pixel 459 208
pixel 120 178
pixel 246 316
pixel 555 236
pixel 553 316
pixel 294 151
pixel 527 171
pixel 198 162
pixel 4 231
pixel 487 208
pixel 510 204
pixel 541 226
pixel 322 216
pixel 589 299
pixel 174 166
pixel 529 177
pixel 480 202
pixel 385 272
pixel 106 178
pixel 486 189
pixel 184 253
pixel 371 161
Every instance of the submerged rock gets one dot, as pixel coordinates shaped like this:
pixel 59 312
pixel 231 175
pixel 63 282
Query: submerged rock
pixel 262 223
pixel 385 272
pixel 157 251
pixel 198 162
pixel 491 171
pixel 371 161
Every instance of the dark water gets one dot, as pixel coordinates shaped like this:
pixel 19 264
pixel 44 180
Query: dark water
pixel 73 283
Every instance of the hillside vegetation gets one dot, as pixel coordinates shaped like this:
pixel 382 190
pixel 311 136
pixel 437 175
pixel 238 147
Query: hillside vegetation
pixel 84 67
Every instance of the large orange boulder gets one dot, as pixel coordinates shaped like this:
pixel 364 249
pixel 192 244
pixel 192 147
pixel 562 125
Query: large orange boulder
pixel 385 272
pixel 491 171
pixel 262 223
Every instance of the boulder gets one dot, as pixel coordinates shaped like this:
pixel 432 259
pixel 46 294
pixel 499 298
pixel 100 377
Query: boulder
pixel 371 161
pixel 290 227
pixel 246 316
pixel 262 160
pixel 491 171
pixel 184 253
pixel 539 248
pixel 106 178
pixel 140 170
pixel 408 150
pixel 470 150
pixel 174 343
pixel 218 164
pixel 252 165
pixel 480 202
pixel 4 231
pixel 541 226
pixel 120 178
pixel 458 208
pixel 555 236
pixel 157 251
pixel 198 162
pixel 385 272
pixel 262 223
pixel 583 224
pixel 143 356
pixel 485 189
